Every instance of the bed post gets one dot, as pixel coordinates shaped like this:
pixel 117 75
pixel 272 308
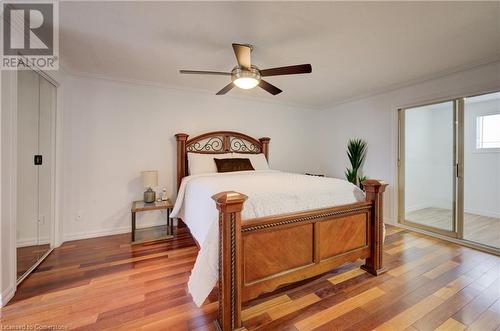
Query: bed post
pixel 374 193
pixel 265 146
pixel 230 205
pixel 181 157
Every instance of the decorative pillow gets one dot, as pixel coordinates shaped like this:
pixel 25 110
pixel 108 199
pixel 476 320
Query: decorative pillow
pixel 233 164
pixel 203 163
pixel 259 161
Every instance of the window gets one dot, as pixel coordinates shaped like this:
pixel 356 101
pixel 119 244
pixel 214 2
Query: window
pixel 488 132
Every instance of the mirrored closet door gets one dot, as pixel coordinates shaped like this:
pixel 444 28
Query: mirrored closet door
pixel 35 177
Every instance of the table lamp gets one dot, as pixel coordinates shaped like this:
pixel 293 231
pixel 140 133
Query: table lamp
pixel 149 180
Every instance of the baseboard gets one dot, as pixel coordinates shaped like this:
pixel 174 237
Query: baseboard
pixel 94 234
pixel 7 295
pixel 469 211
pixel 105 232
pixel 32 242
pixel 482 213
pixel 470 244
pixel 418 207
pixel 388 220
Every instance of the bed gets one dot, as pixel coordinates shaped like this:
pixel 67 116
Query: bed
pixel 281 228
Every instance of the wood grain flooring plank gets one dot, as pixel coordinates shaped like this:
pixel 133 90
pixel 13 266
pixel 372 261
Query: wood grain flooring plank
pixel 440 269
pixel 403 294
pixel 262 307
pixel 333 312
pixel 468 314
pixel 487 321
pixel 442 313
pixel 424 307
pixel 107 284
pixel 291 306
pixel 346 276
pixel 451 325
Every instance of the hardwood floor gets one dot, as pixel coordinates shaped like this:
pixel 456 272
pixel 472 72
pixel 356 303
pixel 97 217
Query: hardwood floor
pixel 27 256
pixel 107 284
pixel 481 229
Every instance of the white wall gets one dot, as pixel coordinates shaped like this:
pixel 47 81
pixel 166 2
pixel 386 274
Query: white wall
pixel 114 130
pixel 481 169
pixel 374 119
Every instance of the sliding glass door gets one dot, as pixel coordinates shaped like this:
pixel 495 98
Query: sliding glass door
pixel 482 169
pixel 428 167
pixel 449 168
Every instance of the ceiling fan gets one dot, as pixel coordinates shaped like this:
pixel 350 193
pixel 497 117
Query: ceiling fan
pixel 246 76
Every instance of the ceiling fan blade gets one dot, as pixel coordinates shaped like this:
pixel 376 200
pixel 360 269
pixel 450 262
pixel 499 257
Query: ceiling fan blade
pixel 269 87
pixel 242 53
pixel 289 70
pixel 201 72
pixel 225 89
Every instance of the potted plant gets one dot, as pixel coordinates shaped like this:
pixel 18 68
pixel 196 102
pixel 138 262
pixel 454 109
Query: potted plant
pixel 356 152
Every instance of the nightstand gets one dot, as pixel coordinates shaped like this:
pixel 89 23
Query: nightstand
pixel 153 233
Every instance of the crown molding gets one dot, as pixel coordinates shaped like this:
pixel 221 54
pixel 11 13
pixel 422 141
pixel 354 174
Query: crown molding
pixel 412 82
pixel 302 107
pixel 88 75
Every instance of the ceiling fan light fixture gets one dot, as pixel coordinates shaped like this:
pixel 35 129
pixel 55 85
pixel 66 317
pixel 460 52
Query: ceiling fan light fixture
pixel 246 83
pixel 246 79
pixel 247 76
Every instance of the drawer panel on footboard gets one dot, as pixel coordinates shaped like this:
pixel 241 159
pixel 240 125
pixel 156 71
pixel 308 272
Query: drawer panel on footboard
pixel 268 253
pixel 277 252
pixel 342 235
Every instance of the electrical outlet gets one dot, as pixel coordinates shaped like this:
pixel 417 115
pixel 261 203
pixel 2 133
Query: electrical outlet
pixel 79 216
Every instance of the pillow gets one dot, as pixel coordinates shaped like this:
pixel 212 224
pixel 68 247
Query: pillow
pixel 259 161
pixel 202 163
pixel 233 164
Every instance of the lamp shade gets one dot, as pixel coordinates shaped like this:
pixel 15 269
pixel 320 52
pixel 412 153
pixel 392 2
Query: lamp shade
pixel 149 178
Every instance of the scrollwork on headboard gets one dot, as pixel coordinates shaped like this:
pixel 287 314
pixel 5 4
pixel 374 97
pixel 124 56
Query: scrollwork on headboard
pixel 240 145
pixel 210 145
pixel 215 143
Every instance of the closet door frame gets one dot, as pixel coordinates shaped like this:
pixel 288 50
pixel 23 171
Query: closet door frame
pixel 55 161
pixel 53 207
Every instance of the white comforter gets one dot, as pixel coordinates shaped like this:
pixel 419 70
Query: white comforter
pixel 269 192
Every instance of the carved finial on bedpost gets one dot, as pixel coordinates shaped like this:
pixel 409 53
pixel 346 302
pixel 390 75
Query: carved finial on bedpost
pixel 265 146
pixel 374 192
pixel 230 205
pixel 181 157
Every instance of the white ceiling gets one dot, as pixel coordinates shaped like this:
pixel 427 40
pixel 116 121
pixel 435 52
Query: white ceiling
pixel 355 48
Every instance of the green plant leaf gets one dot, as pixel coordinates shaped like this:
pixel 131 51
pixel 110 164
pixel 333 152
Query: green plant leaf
pixel 361 179
pixel 356 152
pixel 350 175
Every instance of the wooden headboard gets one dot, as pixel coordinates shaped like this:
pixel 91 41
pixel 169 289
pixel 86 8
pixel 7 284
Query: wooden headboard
pixel 216 143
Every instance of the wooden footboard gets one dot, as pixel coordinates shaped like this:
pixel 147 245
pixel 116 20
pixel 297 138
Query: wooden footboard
pixel 262 254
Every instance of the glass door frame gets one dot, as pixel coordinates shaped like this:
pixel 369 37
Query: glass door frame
pixel 457 190
pixel 457 235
